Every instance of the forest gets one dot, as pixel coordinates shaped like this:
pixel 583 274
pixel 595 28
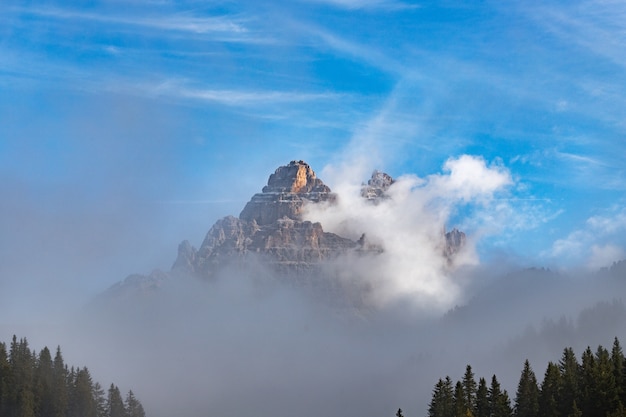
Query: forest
pixel 38 385
pixel 595 386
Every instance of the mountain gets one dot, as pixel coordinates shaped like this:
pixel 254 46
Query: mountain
pixel 271 231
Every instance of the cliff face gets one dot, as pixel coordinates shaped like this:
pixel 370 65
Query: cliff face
pixel 271 228
pixel 377 186
pixel 285 193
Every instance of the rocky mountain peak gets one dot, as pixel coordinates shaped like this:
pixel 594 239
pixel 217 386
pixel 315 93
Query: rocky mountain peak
pixel 296 177
pixel 377 186
pixel 455 241
pixel 285 194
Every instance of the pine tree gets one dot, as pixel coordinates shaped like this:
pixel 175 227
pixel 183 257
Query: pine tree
pixel 619 370
pixel 469 389
pixel 505 404
pixel 61 381
pixel 100 399
pixel 35 385
pixel 21 361
pixel 460 404
pixel 598 390
pixel 44 385
pixel 135 409
pixel 82 401
pixel 570 381
pixel 605 390
pixel 482 399
pixel 115 404
pixel 527 396
pixel 499 402
pixel 5 379
pixel 587 379
pixel 442 402
pixel 549 395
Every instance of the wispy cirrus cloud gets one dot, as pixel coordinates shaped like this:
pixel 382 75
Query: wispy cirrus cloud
pixel 599 27
pixel 181 22
pixel 391 5
pixel 592 164
pixel 252 97
pixel 241 97
pixel 351 49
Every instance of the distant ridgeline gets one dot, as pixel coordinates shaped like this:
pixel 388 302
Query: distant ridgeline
pixel 593 387
pixel 37 385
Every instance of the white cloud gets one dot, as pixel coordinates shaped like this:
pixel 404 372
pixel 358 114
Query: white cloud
pixel 409 227
pixel 608 224
pixel 604 255
pixel 596 241
pixel 470 178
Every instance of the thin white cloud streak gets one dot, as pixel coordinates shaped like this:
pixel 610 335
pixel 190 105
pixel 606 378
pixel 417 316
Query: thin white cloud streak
pixel 599 27
pixel 181 23
pixel 386 5
pixel 383 139
pixel 367 54
pixel 249 98
pixel 245 98
pixel 599 167
pixel 578 159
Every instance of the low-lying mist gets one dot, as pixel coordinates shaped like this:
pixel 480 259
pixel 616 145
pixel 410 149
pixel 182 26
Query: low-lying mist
pixel 246 343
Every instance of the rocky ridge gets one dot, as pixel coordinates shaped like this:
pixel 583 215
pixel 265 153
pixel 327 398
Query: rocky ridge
pixel 270 229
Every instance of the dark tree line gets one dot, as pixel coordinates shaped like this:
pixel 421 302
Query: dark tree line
pixel 593 387
pixel 38 385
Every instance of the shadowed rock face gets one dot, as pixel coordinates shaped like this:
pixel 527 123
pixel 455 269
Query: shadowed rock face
pixel 377 186
pixel 455 240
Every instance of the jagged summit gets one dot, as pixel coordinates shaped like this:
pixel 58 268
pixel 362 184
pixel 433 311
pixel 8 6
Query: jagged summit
pixel 377 186
pixel 285 193
pixel 296 177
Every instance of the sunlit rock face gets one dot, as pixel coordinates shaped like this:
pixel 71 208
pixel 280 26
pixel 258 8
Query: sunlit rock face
pixel 285 193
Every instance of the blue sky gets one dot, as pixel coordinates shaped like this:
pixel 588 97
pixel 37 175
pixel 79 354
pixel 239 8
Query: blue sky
pixel 128 126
